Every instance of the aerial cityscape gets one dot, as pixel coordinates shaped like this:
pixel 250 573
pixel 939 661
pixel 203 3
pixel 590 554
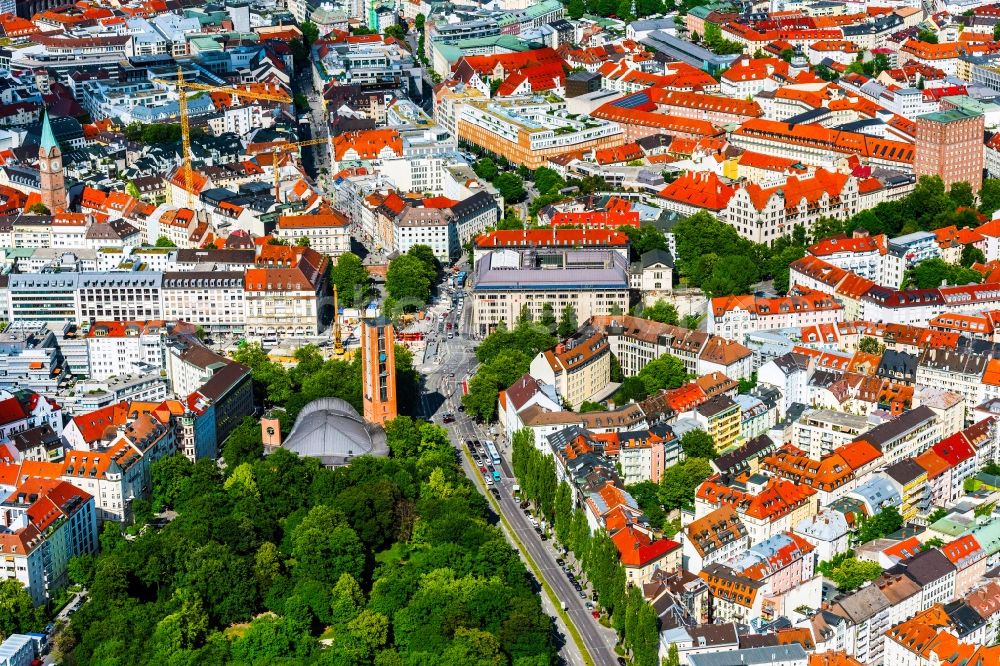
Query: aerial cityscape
pixel 504 332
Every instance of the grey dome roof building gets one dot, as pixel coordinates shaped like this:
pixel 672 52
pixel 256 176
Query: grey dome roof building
pixel 331 430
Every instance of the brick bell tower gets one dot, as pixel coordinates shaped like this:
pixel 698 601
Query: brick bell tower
pixel 50 169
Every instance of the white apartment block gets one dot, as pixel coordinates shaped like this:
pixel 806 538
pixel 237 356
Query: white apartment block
pixel 214 300
pixel 820 431
pixel 125 348
pixel 734 317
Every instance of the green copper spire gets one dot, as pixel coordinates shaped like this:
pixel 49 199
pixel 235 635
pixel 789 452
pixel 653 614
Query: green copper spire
pixel 48 138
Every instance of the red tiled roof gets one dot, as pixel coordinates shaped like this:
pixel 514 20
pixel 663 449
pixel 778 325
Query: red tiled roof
pixel 858 453
pixel 637 549
pixel 821 137
pixel 954 449
pixel 806 300
pixel 596 219
pixel 11 411
pixel 842 243
pixel 95 425
pixel 368 144
pixel 700 189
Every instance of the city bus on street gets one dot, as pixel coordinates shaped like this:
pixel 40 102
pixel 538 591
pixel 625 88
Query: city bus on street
pixel 491 450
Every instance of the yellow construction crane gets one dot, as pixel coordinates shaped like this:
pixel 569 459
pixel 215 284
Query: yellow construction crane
pixel 183 86
pixel 286 148
pixel 338 344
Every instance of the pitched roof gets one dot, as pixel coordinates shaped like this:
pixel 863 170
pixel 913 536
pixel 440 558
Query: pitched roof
pixel 700 189
pixel 637 549
pixel 817 136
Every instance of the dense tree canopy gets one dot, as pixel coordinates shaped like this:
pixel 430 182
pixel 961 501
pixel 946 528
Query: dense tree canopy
pixel 665 372
pixel 933 273
pixel 17 611
pixel 510 185
pixel 847 572
pixel 352 280
pixel 643 239
pixel 870 345
pixel 972 255
pixel 679 482
pixel 698 444
pixel 486 169
pixel 393 558
pixel 882 524
pixel 315 377
pixel 567 321
pixel 408 282
pixel 432 266
pixel 504 356
pixel 661 311
pixel 647 495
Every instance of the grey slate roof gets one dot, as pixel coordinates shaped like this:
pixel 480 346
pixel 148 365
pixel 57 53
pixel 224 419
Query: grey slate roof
pixel 862 605
pixel 905 471
pixel 928 566
pixel 751 656
pixel 656 256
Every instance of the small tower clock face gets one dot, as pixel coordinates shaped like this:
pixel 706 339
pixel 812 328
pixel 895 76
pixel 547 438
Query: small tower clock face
pixel 55 165
pixel 43 166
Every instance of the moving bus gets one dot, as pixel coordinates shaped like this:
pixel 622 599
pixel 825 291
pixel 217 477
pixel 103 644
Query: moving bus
pixel 492 452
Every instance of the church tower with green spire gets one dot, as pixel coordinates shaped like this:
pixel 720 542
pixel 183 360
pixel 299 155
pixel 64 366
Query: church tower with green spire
pixel 50 169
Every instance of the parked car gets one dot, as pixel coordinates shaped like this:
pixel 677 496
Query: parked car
pixel 482 468
pixel 596 614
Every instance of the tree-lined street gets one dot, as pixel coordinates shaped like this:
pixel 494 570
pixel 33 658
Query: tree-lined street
pixel 444 373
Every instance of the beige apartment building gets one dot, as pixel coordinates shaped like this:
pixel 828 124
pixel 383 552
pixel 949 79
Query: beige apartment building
pixel 578 368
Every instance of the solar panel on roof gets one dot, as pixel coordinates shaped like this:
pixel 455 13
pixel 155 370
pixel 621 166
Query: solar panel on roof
pixel 633 101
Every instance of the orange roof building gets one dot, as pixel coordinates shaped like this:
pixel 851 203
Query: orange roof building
pixel 37 511
pixel 735 316
pixel 830 476
pixel 820 145
pixel 367 145
pixel 765 508
pixel 695 191
pixel 640 554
